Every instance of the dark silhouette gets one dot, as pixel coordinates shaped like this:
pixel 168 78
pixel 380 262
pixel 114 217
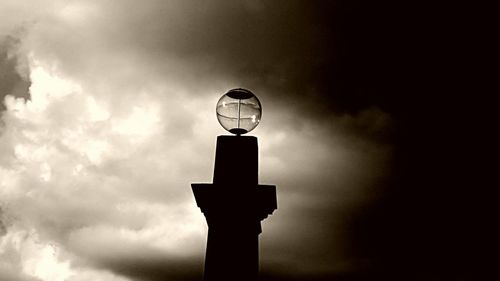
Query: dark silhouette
pixel 234 205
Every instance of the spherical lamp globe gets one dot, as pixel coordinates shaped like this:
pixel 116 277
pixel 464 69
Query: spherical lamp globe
pixel 239 111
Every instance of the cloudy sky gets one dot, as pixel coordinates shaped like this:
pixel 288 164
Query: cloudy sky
pixel 108 115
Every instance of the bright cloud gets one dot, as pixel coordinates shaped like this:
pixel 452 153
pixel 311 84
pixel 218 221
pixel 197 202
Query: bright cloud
pixel 63 143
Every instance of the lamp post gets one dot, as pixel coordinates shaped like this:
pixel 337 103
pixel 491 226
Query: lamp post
pixel 235 204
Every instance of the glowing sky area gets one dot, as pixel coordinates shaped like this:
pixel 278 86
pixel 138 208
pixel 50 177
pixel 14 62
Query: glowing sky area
pixel 97 156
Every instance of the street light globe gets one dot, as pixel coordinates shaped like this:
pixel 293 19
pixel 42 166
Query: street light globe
pixel 239 111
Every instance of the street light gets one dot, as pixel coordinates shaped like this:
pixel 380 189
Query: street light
pixel 235 203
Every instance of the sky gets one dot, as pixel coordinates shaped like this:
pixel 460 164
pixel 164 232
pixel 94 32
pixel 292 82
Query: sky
pixel 108 116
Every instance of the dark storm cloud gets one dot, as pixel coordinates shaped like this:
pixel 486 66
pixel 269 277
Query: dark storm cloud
pixel 11 82
pixel 3 228
pixel 146 264
pixel 160 269
pixel 282 50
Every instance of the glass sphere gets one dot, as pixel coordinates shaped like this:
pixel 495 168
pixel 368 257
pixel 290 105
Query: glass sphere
pixel 239 111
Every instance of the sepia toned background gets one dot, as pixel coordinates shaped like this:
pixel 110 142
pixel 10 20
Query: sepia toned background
pixel 108 115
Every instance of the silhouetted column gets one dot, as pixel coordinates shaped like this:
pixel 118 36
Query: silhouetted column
pixel 234 205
